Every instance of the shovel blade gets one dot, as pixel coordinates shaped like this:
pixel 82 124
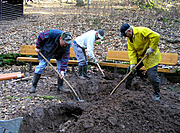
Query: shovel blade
pixel 10 125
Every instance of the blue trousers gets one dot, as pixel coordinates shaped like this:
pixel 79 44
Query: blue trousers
pixel 42 65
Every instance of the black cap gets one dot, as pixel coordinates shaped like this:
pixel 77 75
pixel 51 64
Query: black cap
pixel 100 33
pixel 124 27
pixel 66 36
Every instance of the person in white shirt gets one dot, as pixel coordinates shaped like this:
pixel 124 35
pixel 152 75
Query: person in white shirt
pixel 86 41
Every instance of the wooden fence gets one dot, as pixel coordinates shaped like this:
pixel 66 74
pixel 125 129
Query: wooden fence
pixel 11 9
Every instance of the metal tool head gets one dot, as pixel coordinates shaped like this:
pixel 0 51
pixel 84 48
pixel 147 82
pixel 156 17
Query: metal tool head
pixel 80 100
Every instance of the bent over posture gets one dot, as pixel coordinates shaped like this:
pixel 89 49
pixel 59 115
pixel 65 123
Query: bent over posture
pixel 141 41
pixel 52 43
pixel 80 44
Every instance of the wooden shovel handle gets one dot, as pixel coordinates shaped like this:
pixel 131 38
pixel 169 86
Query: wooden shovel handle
pixel 128 75
pixel 60 76
pixel 100 69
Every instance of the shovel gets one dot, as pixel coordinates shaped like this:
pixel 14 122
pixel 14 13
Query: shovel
pixel 9 126
pixel 75 94
pixel 100 69
pixel 128 74
pixel 105 75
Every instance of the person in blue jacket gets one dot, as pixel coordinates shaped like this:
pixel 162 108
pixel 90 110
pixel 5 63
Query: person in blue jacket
pixel 52 43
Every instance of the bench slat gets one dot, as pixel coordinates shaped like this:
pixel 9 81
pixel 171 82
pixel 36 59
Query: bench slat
pixel 30 50
pixel 72 54
pixel 117 55
pixel 30 59
pixel 114 64
pixel 167 58
pixel 127 65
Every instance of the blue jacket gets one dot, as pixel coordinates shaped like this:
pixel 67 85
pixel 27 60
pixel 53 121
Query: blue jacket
pixel 48 43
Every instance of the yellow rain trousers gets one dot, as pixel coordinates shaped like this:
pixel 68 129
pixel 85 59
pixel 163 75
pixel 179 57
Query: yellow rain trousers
pixel 143 38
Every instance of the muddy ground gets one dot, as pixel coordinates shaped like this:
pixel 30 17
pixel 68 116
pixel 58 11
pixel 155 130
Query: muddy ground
pixel 124 111
pixel 48 111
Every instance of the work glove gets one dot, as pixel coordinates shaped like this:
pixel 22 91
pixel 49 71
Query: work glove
pixel 149 51
pixel 37 50
pixel 62 75
pixel 95 60
pixel 132 69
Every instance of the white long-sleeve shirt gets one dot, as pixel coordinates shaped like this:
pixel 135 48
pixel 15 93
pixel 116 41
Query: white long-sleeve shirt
pixel 86 41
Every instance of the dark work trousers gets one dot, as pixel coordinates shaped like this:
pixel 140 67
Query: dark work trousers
pixel 152 76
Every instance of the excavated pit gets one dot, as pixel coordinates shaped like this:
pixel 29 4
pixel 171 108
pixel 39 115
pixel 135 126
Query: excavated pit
pixel 52 119
pixel 124 111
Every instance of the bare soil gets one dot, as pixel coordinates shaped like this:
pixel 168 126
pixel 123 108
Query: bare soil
pixel 124 111
pixel 48 111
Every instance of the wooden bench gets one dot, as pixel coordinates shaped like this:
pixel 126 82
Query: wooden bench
pixel 122 57
pixel 30 50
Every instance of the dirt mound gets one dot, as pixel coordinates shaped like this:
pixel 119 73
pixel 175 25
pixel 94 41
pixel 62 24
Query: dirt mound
pixel 50 119
pixel 124 111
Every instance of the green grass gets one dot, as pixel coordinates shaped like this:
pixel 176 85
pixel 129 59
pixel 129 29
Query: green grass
pixel 49 97
pixel 28 97
pixel 12 97
pixel 98 43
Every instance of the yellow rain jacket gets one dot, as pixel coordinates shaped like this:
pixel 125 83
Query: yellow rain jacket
pixel 143 38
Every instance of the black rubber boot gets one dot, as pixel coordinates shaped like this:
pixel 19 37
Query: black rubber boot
pixel 85 68
pixel 128 85
pixel 35 80
pixel 156 96
pixel 129 79
pixel 60 86
pixel 81 70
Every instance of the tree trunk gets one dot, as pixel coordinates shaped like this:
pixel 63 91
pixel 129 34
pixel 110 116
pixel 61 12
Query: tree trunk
pixel 80 3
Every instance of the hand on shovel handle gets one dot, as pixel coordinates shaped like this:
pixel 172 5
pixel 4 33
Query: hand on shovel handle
pixel 75 94
pixel 62 75
pixel 128 75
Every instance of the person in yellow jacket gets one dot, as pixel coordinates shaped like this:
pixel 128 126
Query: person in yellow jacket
pixel 142 41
